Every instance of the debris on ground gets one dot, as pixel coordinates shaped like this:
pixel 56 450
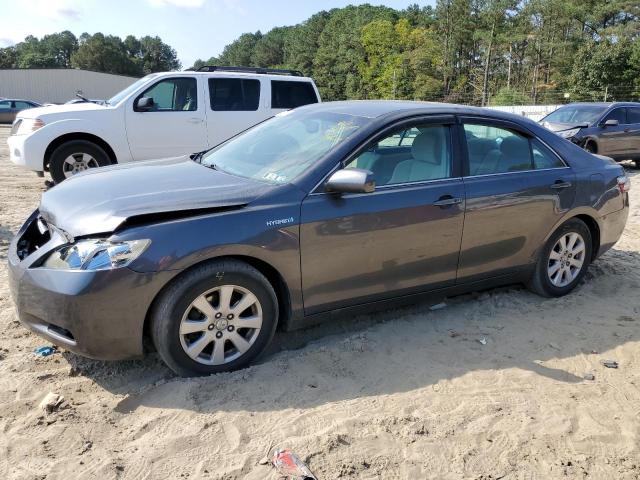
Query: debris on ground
pixel 438 306
pixel 482 340
pixel 554 346
pixel 589 376
pixel 453 334
pixel 51 402
pixel 46 350
pixel 290 466
pixel 610 363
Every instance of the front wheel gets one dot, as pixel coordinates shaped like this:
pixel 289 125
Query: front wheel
pixel 563 261
pixel 74 157
pixel 217 317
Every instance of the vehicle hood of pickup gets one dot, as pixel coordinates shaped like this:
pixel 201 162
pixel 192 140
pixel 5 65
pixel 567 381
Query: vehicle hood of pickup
pixel 100 200
pixel 64 110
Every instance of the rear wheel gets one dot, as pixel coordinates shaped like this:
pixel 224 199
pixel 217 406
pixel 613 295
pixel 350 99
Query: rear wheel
pixel 563 260
pixel 74 157
pixel 217 317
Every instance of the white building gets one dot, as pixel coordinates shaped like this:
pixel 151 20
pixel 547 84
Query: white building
pixel 57 85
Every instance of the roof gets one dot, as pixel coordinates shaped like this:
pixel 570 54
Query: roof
pixel 378 108
pixel 225 73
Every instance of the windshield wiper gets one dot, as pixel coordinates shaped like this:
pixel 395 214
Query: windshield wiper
pixel 197 157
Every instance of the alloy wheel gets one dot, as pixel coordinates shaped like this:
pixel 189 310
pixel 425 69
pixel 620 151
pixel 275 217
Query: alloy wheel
pixel 220 325
pixel 78 162
pixel 566 259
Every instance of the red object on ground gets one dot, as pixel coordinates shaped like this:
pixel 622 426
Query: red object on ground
pixel 289 464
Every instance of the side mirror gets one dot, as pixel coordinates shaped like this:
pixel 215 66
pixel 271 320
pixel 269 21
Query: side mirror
pixel 144 104
pixel 351 180
pixel 612 122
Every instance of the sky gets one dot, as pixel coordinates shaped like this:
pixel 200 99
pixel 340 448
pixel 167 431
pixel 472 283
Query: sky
pixel 195 28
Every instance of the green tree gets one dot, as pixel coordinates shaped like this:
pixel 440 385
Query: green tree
pixel 104 54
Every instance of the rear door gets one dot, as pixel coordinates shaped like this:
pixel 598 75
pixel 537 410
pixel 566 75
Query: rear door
pixel 633 125
pixel 613 141
pixel 174 126
pixel 234 104
pixel 402 238
pixel 515 193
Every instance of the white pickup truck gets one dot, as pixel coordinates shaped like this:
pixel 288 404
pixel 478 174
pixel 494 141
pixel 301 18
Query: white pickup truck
pixel 161 115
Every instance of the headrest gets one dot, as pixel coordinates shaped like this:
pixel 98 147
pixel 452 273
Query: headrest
pixel 427 146
pixel 514 147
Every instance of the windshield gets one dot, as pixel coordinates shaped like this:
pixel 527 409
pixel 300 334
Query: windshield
pixel 575 114
pixel 280 149
pixel 118 97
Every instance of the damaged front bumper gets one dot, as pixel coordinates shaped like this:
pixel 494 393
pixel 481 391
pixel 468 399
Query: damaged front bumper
pixel 98 314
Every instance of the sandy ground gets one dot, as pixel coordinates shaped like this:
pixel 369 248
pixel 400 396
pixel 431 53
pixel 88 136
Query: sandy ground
pixel 408 393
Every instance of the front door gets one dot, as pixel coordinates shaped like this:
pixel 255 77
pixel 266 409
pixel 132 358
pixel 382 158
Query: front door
pixel 613 140
pixel 516 191
pixel 402 238
pixel 175 125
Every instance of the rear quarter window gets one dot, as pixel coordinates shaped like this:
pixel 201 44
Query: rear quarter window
pixel 285 94
pixel 234 94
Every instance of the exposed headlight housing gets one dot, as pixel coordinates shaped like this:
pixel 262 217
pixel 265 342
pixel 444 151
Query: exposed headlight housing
pixel 24 126
pixel 569 133
pixel 95 254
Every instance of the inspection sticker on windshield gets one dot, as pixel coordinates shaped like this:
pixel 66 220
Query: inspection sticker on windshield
pixel 279 221
pixel 274 177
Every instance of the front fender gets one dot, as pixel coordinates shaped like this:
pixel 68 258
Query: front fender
pixel 112 133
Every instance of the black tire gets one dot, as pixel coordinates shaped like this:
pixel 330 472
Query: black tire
pixel 540 282
pixel 75 148
pixel 174 301
pixel 591 147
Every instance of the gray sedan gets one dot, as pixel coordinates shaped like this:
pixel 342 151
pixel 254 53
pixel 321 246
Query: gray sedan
pixel 9 108
pixel 333 207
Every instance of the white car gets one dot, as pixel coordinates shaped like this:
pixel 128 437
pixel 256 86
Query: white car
pixel 161 115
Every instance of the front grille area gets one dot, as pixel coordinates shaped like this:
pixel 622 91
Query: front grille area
pixel 32 239
pixel 15 126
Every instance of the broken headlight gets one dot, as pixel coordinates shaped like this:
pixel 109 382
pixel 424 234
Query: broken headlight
pixel 93 254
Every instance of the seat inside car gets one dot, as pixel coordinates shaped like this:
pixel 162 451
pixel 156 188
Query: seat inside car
pixel 512 154
pixel 427 160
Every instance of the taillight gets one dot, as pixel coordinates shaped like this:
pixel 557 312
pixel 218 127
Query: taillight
pixel 624 183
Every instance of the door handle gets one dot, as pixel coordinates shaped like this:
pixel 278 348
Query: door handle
pixel 560 185
pixel 447 200
pixel 195 120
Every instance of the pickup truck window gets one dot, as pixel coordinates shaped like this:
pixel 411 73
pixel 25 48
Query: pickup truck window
pixel 286 94
pixel 234 94
pixel 174 95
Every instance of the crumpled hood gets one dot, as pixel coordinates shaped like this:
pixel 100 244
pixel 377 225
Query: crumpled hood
pixel 559 127
pixel 98 201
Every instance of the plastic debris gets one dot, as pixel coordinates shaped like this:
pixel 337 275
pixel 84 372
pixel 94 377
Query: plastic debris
pixel 45 351
pixel 610 363
pixel 589 376
pixel 483 340
pixel 289 465
pixel 51 402
pixel 438 306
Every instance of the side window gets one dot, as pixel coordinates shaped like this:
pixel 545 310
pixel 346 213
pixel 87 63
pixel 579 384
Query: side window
pixel 23 105
pixel 617 114
pixel 496 150
pixel 291 94
pixel 543 157
pixel 633 115
pixel 174 95
pixel 234 94
pixel 427 158
pixel 5 105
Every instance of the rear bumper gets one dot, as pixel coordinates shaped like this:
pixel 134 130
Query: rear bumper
pixel 612 226
pixel 97 314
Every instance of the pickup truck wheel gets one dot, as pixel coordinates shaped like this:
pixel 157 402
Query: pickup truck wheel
pixel 214 318
pixel 563 260
pixel 74 157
